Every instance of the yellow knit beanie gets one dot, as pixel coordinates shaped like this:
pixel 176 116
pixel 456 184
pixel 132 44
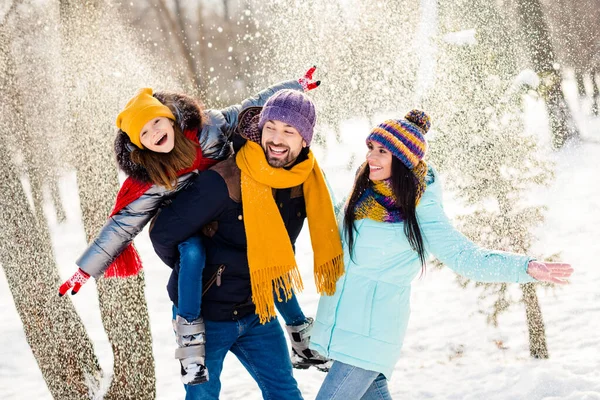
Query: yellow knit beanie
pixel 142 108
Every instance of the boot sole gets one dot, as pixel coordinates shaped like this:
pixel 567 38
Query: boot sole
pixel 323 367
pixel 198 380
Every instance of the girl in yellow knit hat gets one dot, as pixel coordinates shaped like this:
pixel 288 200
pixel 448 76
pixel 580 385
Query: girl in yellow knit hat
pixel 164 140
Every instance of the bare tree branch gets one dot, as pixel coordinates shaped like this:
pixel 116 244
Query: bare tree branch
pixel 181 40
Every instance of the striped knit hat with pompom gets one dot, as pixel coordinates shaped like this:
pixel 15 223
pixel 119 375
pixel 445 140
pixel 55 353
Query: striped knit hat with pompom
pixel 404 138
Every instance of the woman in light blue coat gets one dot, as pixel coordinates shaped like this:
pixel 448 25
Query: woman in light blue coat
pixel 393 221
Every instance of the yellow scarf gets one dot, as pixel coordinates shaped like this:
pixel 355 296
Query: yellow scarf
pixel 270 254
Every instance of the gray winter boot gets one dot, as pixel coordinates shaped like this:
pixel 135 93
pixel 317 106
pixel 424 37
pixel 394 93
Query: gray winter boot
pixel 303 357
pixel 191 338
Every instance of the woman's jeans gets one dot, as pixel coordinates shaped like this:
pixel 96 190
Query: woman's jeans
pixel 345 382
pixel 192 259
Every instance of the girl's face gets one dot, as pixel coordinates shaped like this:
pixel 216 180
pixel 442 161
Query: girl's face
pixel 158 135
pixel 380 161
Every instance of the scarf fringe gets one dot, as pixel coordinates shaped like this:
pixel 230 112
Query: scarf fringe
pixel 288 280
pixel 127 264
pixel 327 275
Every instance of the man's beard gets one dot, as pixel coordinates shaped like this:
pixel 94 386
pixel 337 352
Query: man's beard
pixel 278 162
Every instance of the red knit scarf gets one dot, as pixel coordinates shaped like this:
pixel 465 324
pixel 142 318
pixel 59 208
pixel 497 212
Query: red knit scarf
pixel 128 263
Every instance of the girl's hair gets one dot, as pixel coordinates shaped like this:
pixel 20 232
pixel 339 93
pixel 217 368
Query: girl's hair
pixel 404 187
pixel 163 167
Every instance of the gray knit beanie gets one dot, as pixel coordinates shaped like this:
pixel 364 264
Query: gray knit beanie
pixel 292 107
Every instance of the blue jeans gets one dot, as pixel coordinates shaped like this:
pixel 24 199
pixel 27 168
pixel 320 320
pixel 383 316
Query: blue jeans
pixel 261 349
pixel 345 382
pixel 192 259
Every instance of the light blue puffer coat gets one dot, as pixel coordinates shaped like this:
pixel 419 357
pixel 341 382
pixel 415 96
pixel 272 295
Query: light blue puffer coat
pixel 364 322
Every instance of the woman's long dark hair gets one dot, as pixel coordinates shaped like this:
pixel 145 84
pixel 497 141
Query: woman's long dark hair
pixel 404 188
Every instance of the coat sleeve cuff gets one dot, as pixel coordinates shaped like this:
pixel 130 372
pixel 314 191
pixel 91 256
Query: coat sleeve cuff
pixel 523 276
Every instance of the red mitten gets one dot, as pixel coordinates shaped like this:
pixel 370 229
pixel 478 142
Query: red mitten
pixel 76 281
pixel 307 81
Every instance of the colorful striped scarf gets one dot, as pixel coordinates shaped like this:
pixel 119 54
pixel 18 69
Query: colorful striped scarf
pixel 378 203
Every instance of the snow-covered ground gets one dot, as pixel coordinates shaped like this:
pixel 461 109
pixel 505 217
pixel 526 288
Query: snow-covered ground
pixel 449 351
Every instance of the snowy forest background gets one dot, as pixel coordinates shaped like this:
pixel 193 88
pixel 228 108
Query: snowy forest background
pixel 512 87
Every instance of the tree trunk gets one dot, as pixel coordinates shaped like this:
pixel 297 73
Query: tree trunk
pixel 122 302
pixel 38 163
pixel 178 28
pixel 59 207
pixel 580 84
pixel 535 30
pixel 595 92
pixel 226 15
pixel 535 322
pixel 54 331
pixel 202 56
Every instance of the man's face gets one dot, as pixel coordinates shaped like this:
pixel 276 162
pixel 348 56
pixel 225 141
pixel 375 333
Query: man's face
pixel 282 143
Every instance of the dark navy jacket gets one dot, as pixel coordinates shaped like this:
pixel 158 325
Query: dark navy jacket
pixel 214 200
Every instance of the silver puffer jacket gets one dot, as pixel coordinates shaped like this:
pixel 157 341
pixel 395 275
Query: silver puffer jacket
pixel 215 132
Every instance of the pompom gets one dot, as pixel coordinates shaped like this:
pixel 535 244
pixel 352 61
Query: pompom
pixel 420 119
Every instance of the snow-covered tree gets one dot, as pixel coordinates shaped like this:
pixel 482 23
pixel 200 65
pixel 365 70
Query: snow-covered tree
pixel 65 86
pixel 480 144
pixel 534 30
pixel 364 52
pixel 88 109
pixel 54 331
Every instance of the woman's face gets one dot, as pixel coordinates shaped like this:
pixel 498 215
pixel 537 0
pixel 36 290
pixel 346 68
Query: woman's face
pixel 380 161
pixel 158 135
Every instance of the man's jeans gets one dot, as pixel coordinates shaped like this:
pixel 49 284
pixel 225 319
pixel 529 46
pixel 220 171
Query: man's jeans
pixel 344 382
pixel 261 349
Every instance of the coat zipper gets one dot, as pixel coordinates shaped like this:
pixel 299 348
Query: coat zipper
pixel 219 273
pixel 216 278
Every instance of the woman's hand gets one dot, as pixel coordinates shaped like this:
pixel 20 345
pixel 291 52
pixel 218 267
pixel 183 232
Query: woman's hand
pixel 76 281
pixel 550 271
pixel 307 81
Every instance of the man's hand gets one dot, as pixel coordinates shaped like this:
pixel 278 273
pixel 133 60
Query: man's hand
pixel 76 281
pixel 550 271
pixel 307 81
